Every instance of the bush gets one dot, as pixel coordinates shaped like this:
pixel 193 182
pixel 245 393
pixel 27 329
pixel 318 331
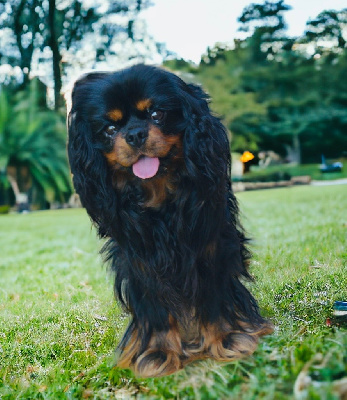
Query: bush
pixel 4 209
pixel 266 177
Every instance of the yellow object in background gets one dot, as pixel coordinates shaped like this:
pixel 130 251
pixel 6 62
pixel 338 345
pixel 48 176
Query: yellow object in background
pixel 246 156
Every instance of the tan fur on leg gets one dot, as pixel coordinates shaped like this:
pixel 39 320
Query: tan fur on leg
pixel 153 363
pixel 223 343
pixel 130 351
pixel 233 347
pixel 170 351
pixel 162 356
pixel 190 331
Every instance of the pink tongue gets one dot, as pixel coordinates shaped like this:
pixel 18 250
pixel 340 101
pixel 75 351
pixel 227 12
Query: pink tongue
pixel 146 167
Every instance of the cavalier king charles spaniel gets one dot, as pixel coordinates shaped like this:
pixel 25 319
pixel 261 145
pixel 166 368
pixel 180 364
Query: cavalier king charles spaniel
pixel 151 165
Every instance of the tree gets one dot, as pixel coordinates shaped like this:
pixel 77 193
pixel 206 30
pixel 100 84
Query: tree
pixel 268 23
pixel 20 17
pixel 32 147
pixel 328 28
pixel 31 27
pixel 298 92
pixel 272 94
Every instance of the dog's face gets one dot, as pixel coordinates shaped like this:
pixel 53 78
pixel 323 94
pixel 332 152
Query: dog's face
pixel 143 130
pixel 136 118
pixel 139 135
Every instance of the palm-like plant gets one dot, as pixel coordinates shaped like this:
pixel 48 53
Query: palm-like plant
pixel 32 143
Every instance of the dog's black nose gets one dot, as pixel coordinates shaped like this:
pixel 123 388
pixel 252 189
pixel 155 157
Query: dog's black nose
pixel 136 137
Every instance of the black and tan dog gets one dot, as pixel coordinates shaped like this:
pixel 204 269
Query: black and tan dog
pixel 151 166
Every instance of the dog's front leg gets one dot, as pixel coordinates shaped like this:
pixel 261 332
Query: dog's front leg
pixel 149 350
pixel 163 356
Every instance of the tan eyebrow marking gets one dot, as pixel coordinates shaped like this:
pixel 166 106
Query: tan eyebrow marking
pixel 115 114
pixel 144 104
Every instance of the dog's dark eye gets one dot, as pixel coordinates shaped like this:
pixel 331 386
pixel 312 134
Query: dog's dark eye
pixel 157 116
pixel 110 130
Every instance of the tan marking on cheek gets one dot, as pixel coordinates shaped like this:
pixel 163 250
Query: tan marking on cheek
pixel 115 114
pixel 158 144
pixel 121 154
pixel 144 104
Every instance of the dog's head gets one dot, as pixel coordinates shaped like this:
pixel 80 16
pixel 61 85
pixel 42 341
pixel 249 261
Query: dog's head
pixel 141 124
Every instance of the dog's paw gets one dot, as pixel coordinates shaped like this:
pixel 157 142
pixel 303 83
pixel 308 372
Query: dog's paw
pixel 154 363
pixel 232 347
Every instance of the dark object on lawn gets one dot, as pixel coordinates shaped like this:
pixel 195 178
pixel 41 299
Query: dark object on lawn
pixel 340 313
pixel 339 317
pixel 152 167
pixel 334 167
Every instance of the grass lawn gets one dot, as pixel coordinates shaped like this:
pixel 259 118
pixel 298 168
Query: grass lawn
pixel 59 323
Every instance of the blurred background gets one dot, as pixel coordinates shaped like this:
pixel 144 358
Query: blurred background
pixel 276 73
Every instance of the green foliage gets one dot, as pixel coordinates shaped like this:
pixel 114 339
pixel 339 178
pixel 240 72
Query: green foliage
pixel 328 26
pixel 269 25
pixel 180 65
pixel 28 21
pixel 34 138
pixel 31 27
pixel 59 324
pixel 4 209
pixel 272 93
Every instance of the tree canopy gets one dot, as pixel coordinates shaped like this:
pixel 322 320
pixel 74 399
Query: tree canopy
pixel 52 33
pixel 32 146
pixel 274 92
pixel 280 93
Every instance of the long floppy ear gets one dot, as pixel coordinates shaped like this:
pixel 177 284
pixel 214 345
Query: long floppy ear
pixel 206 145
pixel 91 177
pixel 208 162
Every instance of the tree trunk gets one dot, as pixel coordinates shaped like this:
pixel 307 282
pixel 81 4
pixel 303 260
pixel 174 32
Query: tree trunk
pixel 15 188
pixel 32 21
pixel 297 147
pixel 53 44
pixel 25 57
pixel 294 151
pixel 21 198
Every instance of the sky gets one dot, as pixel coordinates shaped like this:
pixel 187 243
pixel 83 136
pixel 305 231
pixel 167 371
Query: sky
pixel 188 27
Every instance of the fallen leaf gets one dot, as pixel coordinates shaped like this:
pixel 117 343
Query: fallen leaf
pixel 42 388
pixel 87 393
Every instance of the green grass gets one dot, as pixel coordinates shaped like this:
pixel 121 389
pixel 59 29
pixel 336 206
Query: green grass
pixel 59 324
